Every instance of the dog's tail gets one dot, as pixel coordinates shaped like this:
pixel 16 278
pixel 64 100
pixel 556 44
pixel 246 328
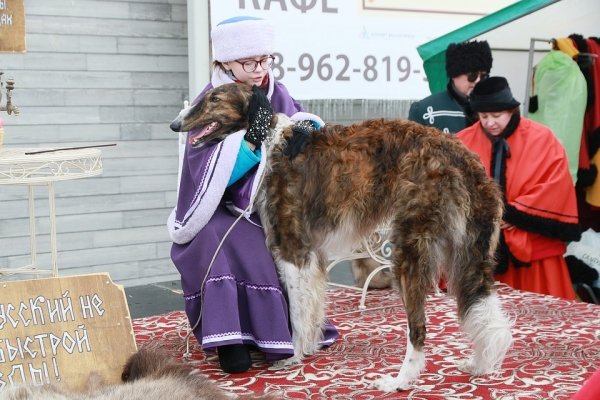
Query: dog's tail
pixel 471 280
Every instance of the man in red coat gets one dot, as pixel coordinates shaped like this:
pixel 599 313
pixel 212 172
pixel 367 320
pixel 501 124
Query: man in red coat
pixel 531 167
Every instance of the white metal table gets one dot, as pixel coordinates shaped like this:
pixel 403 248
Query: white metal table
pixel 378 247
pixel 19 168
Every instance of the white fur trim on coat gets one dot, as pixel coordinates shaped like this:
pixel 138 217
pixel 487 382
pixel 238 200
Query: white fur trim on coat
pixel 305 116
pixel 211 191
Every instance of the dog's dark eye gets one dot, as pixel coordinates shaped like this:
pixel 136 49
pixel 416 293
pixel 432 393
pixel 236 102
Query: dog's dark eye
pixel 214 99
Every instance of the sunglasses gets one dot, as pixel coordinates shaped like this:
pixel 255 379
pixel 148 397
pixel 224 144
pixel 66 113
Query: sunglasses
pixel 472 76
pixel 251 65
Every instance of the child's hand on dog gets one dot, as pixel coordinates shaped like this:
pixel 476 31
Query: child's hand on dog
pixel 260 114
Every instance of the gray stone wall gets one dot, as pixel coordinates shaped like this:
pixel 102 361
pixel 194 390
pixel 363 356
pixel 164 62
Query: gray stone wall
pixel 99 72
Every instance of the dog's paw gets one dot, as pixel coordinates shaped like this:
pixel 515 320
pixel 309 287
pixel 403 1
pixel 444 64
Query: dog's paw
pixel 311 348
pixel 287 362
pixel 473 368
pixel 389 383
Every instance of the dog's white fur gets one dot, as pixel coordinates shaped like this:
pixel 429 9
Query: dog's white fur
pixel 485 325
pixel 411 368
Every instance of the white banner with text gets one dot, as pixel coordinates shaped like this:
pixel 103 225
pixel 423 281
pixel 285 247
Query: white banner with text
pixel 353 49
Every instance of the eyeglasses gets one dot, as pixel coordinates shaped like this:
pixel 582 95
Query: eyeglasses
pixel 251 65
pixel 472 76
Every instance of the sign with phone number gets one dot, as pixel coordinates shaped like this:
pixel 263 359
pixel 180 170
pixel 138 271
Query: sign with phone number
pixel 339 67
pixel 328 49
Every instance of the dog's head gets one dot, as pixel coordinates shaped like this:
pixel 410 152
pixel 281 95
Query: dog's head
pixel 222 111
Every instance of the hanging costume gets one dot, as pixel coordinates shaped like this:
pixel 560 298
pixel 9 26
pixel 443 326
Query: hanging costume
pixel 592 192
pixel 531 166
pixel 590 196
pixel 243 280
pixel 561 92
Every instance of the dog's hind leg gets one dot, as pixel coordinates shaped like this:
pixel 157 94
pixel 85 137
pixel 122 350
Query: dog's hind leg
pixel 479 309
pixel 306 289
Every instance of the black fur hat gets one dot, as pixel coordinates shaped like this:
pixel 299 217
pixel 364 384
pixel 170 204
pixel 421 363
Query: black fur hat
pixel 492 94
pixel 462 58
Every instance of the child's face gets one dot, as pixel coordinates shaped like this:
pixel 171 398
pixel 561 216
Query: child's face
pixel 251 70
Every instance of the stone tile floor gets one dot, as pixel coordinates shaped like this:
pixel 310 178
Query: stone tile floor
pixel 163 297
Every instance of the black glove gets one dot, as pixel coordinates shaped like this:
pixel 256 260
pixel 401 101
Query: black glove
pixel 586 177
pixel 301 132
pixel 259 117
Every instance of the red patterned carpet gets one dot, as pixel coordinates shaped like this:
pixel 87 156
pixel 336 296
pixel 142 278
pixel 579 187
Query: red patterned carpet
pixel 556 348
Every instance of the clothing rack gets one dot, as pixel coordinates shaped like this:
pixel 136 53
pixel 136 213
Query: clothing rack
pixel 532 42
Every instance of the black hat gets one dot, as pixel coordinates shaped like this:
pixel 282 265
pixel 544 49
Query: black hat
pixel 462 58
pixel 492 94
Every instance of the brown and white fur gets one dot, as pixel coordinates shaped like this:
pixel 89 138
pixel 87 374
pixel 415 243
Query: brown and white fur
pixel 445 215
pixel 147 375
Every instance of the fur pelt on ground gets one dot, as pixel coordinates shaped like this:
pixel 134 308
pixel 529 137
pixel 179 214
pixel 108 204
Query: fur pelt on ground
pixel 148 375
pixel 445 215
pixel 362 268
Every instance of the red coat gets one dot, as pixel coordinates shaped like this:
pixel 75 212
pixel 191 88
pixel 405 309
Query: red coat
pixel 540 203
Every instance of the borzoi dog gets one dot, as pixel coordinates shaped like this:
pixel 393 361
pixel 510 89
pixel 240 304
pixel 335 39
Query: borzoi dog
pixel 445 214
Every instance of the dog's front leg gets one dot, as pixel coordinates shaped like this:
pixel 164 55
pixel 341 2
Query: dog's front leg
pixel 413 364
pixel 306 287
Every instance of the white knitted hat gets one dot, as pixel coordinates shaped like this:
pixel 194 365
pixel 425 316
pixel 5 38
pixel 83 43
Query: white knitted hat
pixel 242 37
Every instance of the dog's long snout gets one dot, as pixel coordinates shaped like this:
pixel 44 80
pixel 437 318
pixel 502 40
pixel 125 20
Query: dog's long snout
pixel 176 124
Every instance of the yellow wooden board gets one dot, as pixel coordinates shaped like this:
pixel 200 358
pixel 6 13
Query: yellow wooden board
pixel 59 330
pixel 12 26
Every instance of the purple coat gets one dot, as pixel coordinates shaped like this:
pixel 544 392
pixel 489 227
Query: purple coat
pixel 239 298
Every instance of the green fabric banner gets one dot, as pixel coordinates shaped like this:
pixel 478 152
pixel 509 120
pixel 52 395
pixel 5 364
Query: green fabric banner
pixel 433 52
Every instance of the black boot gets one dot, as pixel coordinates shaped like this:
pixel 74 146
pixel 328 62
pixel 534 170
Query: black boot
pixel 234 358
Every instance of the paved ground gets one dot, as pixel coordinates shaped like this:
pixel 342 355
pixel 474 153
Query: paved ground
pixel 154 299
pixel 160 298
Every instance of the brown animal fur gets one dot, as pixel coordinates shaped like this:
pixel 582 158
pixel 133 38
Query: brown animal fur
pixel 148 375
pixel 445 214
pixel 362 268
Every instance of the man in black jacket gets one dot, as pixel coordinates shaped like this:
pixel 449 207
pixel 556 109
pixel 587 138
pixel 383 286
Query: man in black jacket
pixel 466 64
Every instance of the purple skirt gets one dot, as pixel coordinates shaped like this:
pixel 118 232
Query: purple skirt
pixel 243 298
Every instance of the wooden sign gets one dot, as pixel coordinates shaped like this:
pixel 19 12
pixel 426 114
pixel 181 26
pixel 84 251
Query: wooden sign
pixel 59 330
pixel 12 26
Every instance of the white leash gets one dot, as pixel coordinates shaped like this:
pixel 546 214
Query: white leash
pixel 187 353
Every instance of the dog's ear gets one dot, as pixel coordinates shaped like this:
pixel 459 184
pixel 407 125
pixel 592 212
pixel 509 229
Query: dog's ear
pixel 248 95
pixel 248 98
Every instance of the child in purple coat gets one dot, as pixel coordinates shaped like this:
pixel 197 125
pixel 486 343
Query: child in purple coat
pixel 233 298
